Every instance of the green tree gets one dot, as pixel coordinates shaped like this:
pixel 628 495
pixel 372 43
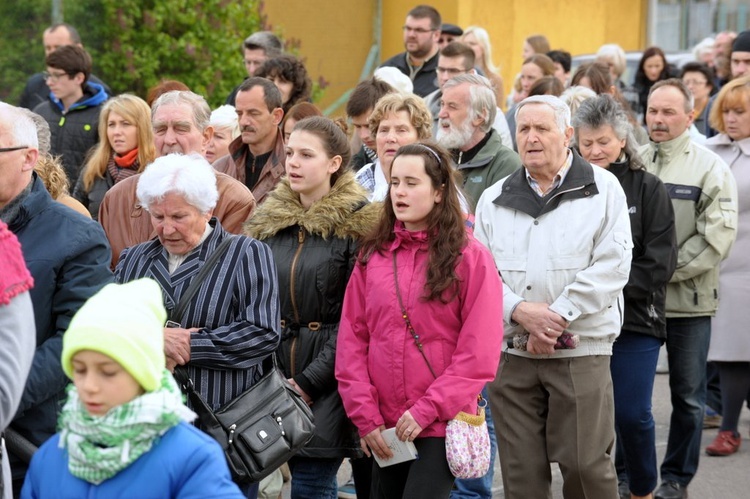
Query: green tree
pixel 193 41
pixel 136 43
pixel 21 52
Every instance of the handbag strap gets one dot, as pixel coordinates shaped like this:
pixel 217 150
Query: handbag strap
pixel 202 409
pixel 211 262
pixel 204 412
pixel 411 328
pixel 405 316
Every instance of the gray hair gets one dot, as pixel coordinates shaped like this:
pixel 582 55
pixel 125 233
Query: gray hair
pixel 614 53
pixel 575 95
pixel 226 117
pixel 562 111
pixel 43 134
pixel 20 124
pixel 482 100
pixel 264 40
pixel 199 106
pixel 604 110
pixel 191 177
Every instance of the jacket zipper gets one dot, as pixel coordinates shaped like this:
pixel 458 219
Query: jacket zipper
pixel 301 242
pixel 565 192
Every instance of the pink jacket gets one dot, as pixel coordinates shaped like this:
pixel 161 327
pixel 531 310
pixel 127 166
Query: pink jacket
pixel 380 371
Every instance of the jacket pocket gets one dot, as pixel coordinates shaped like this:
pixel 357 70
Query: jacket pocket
pixel 728 212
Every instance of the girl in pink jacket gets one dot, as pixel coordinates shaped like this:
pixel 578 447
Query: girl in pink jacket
pixel 422 285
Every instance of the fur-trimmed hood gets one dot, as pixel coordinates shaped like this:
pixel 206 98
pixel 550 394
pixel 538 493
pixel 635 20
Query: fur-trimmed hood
pixel 343 212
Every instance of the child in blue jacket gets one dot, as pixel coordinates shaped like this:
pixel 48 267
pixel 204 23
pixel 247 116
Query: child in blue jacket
pixel 124 430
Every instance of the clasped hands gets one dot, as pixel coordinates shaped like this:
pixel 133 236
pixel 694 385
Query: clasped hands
pixel 543 325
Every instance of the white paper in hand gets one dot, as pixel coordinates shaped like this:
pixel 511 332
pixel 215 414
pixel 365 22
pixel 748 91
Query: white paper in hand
pixel 402 451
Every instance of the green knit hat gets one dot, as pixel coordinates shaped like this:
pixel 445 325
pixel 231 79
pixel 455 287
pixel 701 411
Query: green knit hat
pixel 124 322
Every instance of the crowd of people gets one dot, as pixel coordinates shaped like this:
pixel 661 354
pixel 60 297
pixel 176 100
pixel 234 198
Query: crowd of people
pixel 533 251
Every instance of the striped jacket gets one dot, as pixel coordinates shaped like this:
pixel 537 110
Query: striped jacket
pixel 236 307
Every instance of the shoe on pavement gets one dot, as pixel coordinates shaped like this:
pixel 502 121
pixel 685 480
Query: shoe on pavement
pixel 347 491
pixel 725 444
pixel 671 490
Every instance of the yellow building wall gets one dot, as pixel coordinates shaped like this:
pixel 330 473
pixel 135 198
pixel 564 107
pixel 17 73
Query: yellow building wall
pixel 335 36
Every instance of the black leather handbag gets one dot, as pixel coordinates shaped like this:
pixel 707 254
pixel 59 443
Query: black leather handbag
pixel 261 428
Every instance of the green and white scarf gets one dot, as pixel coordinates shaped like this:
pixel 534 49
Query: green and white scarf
pixel 99 447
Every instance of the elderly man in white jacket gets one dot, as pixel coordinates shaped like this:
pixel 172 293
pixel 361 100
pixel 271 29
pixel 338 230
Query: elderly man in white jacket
pixel 560 235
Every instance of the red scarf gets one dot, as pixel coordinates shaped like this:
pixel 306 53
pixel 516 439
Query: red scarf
pixel 128 160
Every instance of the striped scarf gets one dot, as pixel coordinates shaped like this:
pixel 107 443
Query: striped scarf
pixel 99 447
pixel 120 173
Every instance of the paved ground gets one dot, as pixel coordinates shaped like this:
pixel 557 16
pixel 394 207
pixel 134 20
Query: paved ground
pixel 717 478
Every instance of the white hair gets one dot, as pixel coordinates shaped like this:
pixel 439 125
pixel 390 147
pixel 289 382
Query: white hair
pixel 482 102
pixel 20 125
pixel 191 176
pixel 225 117
pixel 575 95
pixel 615 54
pixel 705 46
pixel 562 111
pixel 395 78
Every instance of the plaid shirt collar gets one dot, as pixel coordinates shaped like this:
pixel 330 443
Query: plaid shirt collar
pixel 564 169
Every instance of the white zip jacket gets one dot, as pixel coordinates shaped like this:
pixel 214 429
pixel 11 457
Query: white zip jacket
pixel 571 249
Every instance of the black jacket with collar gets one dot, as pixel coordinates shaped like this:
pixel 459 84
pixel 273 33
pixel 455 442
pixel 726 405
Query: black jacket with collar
pixel 654 249
pixel 425 81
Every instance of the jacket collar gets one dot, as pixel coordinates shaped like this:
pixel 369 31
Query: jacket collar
pixel 667 151
pixel 482 153
pixel 156 253
pixel 343 212
pixel 93 95
pixel 417 239
pixel 723 140
pixel 517 194
pixel 34 203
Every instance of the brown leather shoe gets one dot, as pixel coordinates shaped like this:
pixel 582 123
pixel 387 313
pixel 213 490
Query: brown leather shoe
pixel 724 444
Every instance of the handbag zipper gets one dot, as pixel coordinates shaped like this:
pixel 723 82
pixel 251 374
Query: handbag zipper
pixel 292 281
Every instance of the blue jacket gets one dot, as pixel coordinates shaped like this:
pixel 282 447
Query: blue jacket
pixel 184 463
pixel 68 256
pixel 76 130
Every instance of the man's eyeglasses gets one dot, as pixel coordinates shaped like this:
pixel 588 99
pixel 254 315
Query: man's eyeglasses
pixel 16 148
pixel 53 76
pixel 450 71
pixel 419 31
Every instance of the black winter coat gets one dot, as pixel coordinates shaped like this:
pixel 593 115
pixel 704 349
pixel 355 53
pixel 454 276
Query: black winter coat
pixel 75 131
pixel 654 249
pixel 315 251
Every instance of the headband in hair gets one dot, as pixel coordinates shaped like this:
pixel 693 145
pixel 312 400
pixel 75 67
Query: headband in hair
pixel 432 152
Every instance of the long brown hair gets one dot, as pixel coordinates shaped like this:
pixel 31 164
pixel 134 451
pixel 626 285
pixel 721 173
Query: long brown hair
pixel 445 223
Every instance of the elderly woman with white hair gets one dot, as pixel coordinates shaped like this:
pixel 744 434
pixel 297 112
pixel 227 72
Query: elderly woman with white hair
pixel 232 323
pixel 226 129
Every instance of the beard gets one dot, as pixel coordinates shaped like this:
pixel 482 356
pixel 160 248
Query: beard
pixel 454 137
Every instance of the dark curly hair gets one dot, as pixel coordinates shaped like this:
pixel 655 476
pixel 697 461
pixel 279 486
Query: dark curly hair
pixel 445 223
pixel 288 68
